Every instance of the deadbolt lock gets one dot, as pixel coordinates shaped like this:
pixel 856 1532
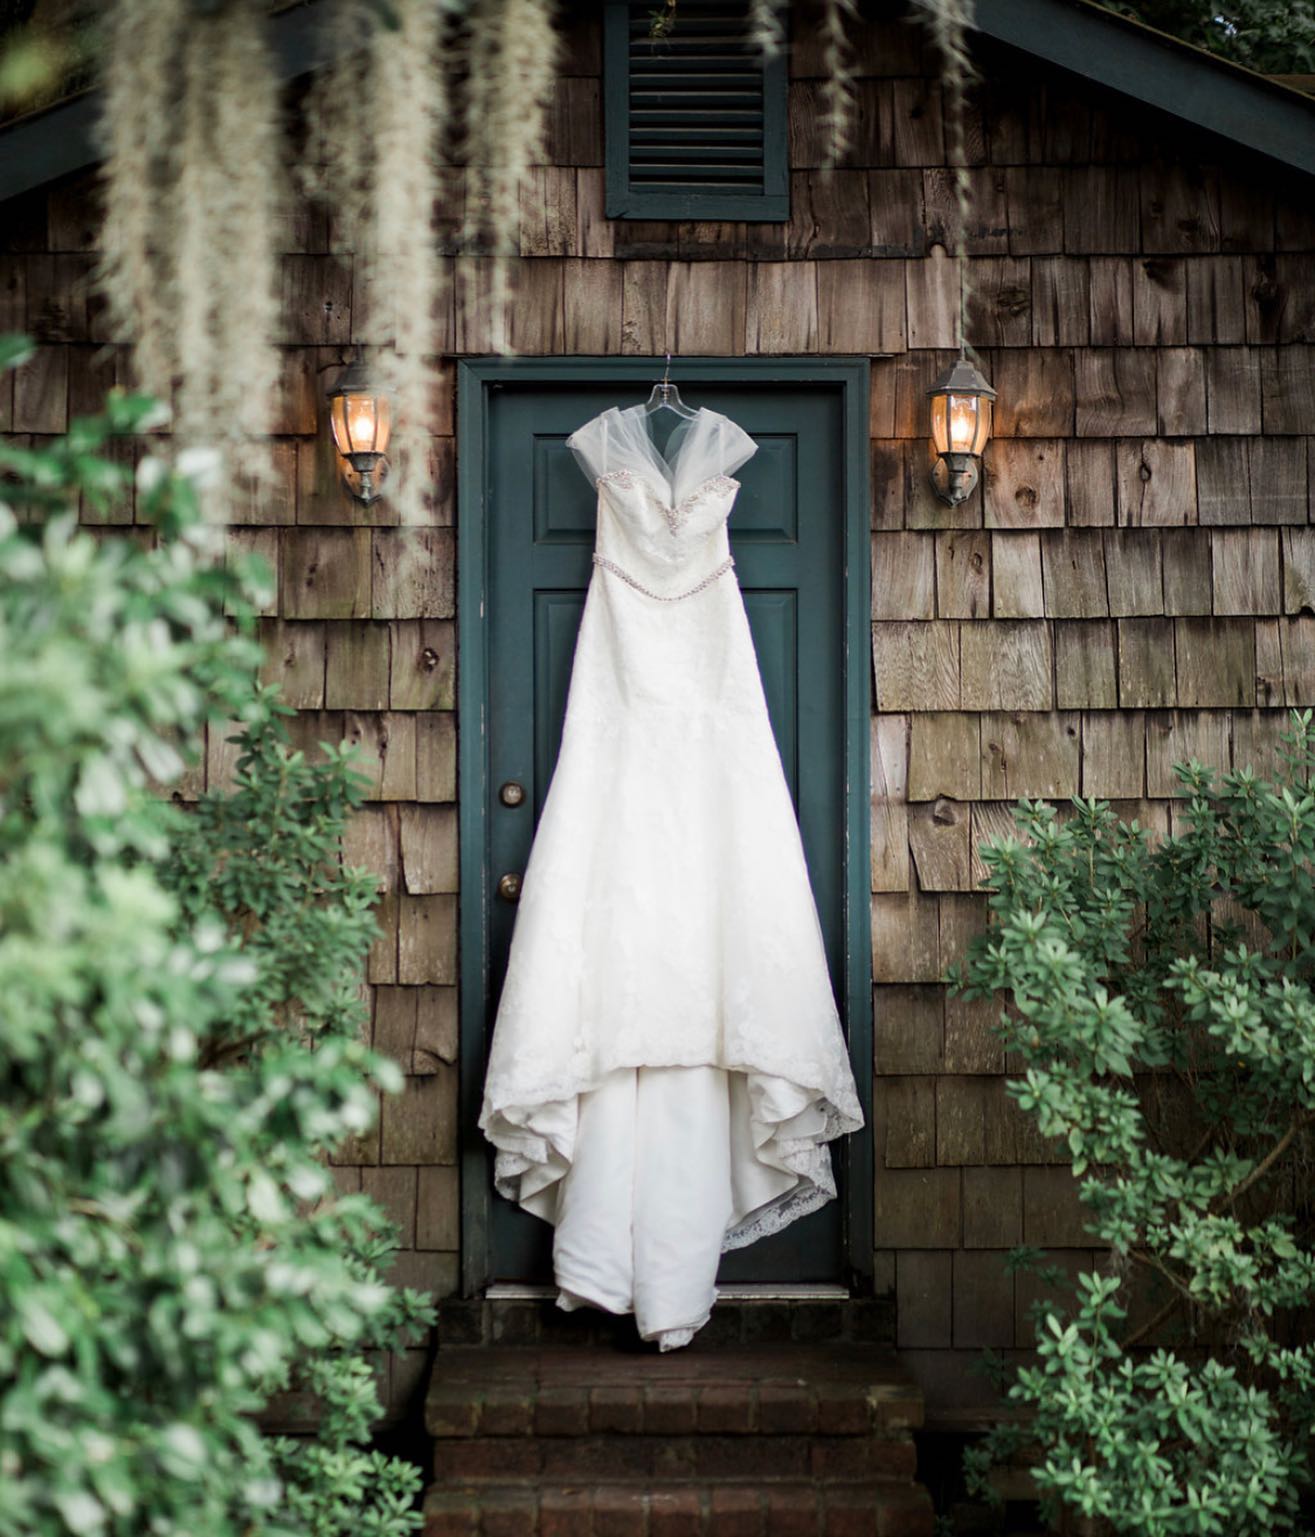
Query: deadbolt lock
pixel 509 888
pixel 511 794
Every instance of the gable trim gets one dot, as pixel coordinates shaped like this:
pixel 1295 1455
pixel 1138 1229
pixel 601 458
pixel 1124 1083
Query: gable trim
pixel 1160 71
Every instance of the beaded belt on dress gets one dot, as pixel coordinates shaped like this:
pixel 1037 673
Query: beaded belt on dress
pixel 664 597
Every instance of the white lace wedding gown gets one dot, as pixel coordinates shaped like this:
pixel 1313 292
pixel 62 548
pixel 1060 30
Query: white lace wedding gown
pixel 667 1063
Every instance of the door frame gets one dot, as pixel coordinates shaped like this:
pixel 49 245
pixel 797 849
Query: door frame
pixel 477 379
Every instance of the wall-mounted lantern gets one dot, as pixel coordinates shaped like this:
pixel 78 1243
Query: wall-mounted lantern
pixel 360 419
pixel 960 425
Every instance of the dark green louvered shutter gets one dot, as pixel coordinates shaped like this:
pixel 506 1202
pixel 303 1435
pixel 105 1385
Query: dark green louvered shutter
pixel 695 121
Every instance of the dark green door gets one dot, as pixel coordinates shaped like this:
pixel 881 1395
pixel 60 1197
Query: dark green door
pixel 788 538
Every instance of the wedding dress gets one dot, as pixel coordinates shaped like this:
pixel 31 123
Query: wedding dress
pixel 667 1064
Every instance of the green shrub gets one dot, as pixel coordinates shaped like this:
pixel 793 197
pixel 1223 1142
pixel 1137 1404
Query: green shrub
pixel 1160 1001
pixel 180 1020
pixel 1273 38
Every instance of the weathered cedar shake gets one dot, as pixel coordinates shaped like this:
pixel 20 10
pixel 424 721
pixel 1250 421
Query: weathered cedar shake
pixel 1133 584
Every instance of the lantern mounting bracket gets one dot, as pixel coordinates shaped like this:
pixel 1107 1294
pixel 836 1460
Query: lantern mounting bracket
pixel 954 477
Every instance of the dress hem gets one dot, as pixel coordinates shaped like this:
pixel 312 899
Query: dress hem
pixel 531 1159
pixel 571 1297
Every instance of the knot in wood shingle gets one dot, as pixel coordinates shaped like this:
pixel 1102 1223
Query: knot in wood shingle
pixel 1159 270
pixel 1265 291
pixel 1013 301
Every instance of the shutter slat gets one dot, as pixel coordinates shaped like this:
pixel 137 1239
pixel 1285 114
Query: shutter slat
pixel 694 138
pixel 708 71
pixel 694 105
pixel 732 60
pixel 687 183
pixel 696 102
pixel 696 155
pixel 692 31
pixel 689 186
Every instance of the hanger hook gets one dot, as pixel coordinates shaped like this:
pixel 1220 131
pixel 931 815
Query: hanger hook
pixel 666 376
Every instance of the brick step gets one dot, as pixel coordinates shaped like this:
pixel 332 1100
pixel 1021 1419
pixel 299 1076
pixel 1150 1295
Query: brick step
pixel 539 1321
pixel 772 1391
pixel 560 1459
pixel 779 1508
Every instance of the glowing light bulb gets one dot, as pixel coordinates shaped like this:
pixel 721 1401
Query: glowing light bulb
pixel 963 423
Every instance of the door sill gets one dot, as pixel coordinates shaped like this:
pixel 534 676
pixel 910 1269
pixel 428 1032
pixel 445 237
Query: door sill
pixel 762 1291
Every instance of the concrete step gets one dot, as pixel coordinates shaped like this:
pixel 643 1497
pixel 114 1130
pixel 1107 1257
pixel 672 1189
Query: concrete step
pixel 784 1507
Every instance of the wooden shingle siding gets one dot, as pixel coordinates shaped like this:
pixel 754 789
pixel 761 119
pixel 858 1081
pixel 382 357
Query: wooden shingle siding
pixel 1132 584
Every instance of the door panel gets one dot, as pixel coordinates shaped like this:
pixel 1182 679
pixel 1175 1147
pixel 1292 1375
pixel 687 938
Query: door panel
pixel 557 621
pixel 787 535
pixel 774 623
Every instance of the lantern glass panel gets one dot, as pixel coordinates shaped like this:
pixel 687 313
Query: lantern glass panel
pixel 962 413
pixel 960 424
pixel 940 436
pixel 361 423
pixel 983 423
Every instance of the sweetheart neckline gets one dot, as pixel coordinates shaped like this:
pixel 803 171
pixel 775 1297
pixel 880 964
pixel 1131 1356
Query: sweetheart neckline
pixel 609 475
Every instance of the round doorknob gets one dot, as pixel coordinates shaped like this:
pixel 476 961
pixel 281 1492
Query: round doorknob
pixel 509 888
pixel 511 794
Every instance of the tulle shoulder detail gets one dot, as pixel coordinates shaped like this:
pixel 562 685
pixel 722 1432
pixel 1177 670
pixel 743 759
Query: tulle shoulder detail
pixel 700 450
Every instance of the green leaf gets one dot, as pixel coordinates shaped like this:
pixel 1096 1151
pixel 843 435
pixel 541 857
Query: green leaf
pixel 15 350
pixel 41 1327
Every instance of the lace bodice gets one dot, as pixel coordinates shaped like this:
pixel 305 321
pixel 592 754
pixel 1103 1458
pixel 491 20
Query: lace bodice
pixel 679 515
pixel 662 520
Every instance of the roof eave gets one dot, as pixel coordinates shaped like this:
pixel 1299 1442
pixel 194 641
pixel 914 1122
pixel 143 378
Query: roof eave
pixel 1074 35
pixel 64 138
pixel 1162 72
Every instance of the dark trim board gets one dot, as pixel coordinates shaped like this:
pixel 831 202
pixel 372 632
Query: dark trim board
pixel 1122 55
pixel 476 380
pixel 65 138
pixel 1161 72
